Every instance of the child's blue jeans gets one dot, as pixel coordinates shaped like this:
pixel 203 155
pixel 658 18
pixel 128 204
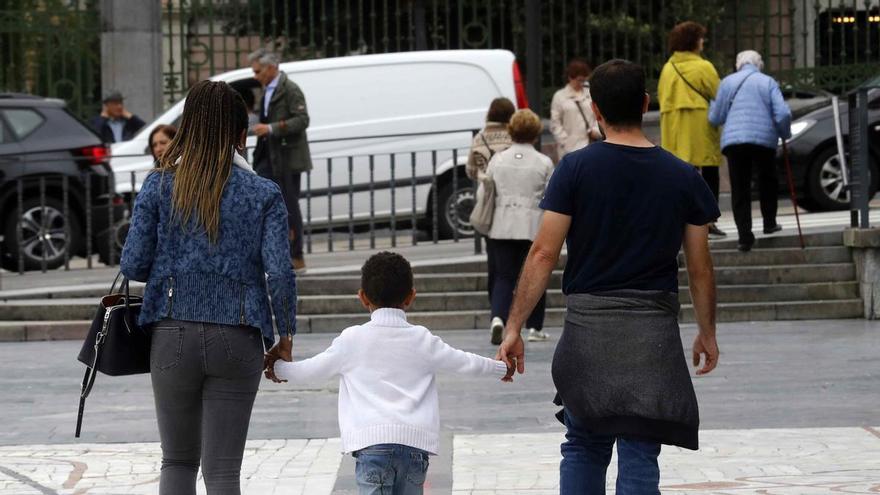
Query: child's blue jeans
pixel 585 458
pixel 390 469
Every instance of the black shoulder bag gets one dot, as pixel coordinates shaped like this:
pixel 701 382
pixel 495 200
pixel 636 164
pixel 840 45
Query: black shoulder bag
pixel 115 344
pixel 491 151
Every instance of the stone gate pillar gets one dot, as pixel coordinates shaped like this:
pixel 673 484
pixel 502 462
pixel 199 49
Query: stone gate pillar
pixel 131 53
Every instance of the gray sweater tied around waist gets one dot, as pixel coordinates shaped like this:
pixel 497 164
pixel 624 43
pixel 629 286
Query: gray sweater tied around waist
pixel 620 369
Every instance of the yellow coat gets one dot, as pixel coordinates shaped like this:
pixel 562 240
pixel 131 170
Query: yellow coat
pixel 684 122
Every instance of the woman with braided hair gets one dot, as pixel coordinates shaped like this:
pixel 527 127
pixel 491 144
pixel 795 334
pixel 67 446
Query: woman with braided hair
pixel 205 233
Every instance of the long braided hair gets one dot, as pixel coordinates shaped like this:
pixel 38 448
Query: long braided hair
pixel 200 155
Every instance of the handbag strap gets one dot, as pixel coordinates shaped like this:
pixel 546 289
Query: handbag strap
pixel 736 91
pixel 583 115
pixel 491 151
pixel 689 83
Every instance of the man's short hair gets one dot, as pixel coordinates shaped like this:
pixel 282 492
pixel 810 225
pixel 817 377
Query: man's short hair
pixel 264 57
pixel 618 89
pixel 685 36
pixel 387 279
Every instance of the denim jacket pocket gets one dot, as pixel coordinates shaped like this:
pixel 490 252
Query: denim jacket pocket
pixel 166 346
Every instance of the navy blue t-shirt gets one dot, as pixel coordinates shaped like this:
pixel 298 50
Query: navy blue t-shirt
pixel 628 209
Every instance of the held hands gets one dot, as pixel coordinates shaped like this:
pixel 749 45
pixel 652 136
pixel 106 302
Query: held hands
pixel 707 347
pixel 512 352
pixel 283 350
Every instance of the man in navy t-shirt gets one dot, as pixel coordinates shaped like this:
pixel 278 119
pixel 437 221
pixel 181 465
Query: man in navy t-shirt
pixel 624 208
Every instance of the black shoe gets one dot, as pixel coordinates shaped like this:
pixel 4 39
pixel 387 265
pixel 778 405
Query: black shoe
pixel 714 231
pixel 773 229
pixel 743 247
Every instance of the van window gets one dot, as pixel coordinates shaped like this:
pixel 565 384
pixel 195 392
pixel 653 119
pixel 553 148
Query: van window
pixel 391 91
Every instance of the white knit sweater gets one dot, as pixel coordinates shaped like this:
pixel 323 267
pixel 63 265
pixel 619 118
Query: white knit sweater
pixel 387 388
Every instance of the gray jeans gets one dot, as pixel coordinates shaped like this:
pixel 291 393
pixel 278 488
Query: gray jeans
pixel 205 378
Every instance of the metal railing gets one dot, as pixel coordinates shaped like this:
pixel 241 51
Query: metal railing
pixel 348 202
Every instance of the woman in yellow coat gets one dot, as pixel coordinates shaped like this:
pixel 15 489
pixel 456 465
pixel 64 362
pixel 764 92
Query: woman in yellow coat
pixel 688 83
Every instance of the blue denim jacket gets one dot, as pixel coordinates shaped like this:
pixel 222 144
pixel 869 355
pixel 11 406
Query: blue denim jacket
pixel 189 278
pixel 759 114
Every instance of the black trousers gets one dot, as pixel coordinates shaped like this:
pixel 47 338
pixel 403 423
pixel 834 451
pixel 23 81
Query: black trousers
pixel 290 190
pixel 506 260
pixel 743 160
pixel 712 178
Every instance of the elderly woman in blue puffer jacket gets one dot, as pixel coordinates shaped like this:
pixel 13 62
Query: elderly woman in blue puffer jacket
pixel 755 116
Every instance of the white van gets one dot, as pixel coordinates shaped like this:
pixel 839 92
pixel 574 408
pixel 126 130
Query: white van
pixel 387 131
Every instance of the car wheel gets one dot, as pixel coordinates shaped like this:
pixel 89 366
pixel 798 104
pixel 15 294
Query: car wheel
pixel 45 231
pixel 825 182
pixel 455 209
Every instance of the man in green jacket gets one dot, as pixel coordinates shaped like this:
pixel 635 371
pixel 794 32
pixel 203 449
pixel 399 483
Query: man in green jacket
pixel 282 152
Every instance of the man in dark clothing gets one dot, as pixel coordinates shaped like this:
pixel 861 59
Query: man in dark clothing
pixel 116 124
pixel 624 207
pixel 282 152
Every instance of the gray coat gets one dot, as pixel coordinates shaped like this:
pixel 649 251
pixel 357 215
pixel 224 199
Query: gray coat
pixel 287 146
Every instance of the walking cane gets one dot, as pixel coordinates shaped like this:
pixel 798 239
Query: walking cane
pixel 791 192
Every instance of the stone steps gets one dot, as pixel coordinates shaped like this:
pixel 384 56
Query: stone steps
pixel 775 281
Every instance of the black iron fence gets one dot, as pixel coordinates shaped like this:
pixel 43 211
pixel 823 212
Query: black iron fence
pixel 347 202
pixel 830 44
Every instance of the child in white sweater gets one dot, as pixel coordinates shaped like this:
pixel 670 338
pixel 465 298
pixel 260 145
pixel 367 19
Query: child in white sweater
pixel 388 407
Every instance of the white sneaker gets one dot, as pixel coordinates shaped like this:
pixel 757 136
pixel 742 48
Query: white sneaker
pixel 537 335
pixel 497 330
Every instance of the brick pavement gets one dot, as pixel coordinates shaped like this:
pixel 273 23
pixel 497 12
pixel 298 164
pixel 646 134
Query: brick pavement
pixel 805 461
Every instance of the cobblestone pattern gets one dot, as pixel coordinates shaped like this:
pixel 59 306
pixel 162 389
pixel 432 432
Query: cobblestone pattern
pixel 306 467
pixel 808 461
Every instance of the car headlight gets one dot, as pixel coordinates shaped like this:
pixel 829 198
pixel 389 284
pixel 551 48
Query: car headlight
pixel 799 127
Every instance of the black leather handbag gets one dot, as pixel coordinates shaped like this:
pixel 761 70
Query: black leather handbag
pixel 115 344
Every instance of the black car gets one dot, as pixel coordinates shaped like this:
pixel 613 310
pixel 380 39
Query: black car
pixel 61 168
pixel 813 155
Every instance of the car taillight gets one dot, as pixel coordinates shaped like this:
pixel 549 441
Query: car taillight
pixel 94 155
pixel 522 101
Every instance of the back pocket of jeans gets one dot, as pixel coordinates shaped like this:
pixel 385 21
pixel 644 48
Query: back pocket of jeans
pixel 166 346
pixel 243 344
pixel 418 468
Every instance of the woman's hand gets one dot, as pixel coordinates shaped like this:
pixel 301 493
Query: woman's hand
pixel 282 350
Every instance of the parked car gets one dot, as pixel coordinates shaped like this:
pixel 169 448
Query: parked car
pixel 398 124
pixel 40 141
pixel 813 156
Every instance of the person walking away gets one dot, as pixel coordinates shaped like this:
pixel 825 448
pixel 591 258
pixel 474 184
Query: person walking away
pixel 520 174
pixel 116 124
pixel 687 84
pixel 755 116
pixel 492 139
pixel 623 207
pixel 571 117
pixel 486 143
pixel 208 236
pixel 282 152
pixel 160 138
pixel 389 413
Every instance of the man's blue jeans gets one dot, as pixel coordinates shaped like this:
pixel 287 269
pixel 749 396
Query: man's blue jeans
pixel 585 458
pixel 390 469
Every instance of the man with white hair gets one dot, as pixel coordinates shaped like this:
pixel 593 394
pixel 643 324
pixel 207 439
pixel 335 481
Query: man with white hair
pixel 282 152
pixel 755 116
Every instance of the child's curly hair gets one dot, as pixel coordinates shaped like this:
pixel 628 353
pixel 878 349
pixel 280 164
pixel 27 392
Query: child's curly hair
pixel 386 279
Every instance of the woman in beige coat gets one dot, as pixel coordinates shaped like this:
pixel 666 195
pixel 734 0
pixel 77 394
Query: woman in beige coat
pixel 571 118
pixel 520 174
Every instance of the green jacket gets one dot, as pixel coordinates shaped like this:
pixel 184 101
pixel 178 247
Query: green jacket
pixel 288 145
